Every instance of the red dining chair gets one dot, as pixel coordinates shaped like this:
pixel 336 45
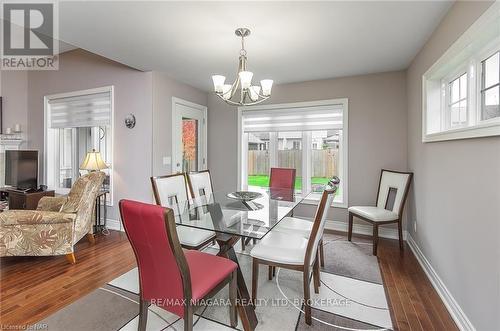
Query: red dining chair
pixel 174 279
pixel 282 178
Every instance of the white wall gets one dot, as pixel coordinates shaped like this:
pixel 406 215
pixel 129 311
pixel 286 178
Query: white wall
pixel 455 198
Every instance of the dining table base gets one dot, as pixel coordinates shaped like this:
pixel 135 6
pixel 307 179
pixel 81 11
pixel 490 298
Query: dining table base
pixel 245 306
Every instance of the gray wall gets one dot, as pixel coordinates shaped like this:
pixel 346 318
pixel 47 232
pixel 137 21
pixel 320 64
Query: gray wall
pixel 14 90
pixel 455 199
pixel 132 153
pixel 377 131
pixel 164 88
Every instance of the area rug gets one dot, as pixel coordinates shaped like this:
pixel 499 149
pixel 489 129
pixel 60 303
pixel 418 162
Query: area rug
pixel 351 297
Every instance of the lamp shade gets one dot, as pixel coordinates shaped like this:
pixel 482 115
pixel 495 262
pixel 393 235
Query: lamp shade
pixel 267 85
pixel 218 82
pixel 246 78
pixel 93 161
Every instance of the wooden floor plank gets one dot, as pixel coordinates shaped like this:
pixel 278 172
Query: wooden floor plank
pixel 35 287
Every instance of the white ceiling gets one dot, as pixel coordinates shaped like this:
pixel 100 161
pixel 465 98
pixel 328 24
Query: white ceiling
pixel 290 41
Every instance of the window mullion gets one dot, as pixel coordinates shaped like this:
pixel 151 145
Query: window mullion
pixel 273 149
pixel 306 161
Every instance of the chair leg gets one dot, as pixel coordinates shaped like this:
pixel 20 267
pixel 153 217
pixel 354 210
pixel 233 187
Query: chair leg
pixel 349 232
pixel 71 258
pixel 188 318
pixel 143 314
pixel 255 279
pixel 321 253
pixel 242 243
pixel 270 272
pixel 400 231
pixel 316 274
pixel 375 238
pixel 233 292
pixel 307 297
pixel 274 271
pixel 91 238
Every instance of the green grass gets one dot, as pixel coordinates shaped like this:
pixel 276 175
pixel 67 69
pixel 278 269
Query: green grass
pixel 263 181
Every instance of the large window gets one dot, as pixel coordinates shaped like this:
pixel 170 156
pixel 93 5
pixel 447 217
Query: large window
pixel 77 123
pixel 309 137
pixel 461 90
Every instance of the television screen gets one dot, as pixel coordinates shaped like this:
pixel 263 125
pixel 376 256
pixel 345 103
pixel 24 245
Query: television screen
pixel 21 169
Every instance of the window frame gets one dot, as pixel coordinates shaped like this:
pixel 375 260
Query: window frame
pixel 490 52
pixel 344 168
pixel 46 107
pixel 463 56
pixel 446 110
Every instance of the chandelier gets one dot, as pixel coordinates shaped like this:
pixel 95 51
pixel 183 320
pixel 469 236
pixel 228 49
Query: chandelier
pixel 248 94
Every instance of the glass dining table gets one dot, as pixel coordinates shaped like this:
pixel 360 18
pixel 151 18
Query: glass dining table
pixel 233 219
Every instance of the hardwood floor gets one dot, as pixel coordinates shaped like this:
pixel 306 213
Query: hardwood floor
pixel 34 288
pixel 414 303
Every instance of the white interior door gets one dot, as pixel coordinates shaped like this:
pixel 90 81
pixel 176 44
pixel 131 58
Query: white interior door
pixel 189 136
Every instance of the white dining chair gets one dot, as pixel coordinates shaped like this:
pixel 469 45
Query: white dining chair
pixel 293 251
pixel 200 184
pixel 392 192
pixel 171 191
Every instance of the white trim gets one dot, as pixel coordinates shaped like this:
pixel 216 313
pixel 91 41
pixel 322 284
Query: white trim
pixel 451 304
pixel 365 229
pixel 114 225
pixel 104 89
pixel 176 131
pixel 345 136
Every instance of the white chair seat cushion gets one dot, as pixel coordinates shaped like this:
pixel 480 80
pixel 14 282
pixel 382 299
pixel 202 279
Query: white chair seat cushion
pixel 374 213
pixel 193 237
pixel 295 225
pixel 280 247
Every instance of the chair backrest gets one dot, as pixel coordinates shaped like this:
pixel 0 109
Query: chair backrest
pixel 170 190
pixel 393 190
pixel 81 200
pixel 163 270
pixel 282 178
pixel 200 183
pixel 319 224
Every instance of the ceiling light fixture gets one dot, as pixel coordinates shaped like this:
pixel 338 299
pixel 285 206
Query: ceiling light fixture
pixel 249 94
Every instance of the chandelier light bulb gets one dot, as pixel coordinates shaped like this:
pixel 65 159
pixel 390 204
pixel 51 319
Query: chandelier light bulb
pixel 267 85
pixel 246 78
pixel 254 92
pixel 218 82
pixel 226 91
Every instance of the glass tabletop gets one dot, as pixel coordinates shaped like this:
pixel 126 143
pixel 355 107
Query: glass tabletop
pixel 221 212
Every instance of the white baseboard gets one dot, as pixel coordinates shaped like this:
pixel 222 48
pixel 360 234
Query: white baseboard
pixel 366 229
pixel 114 225
pixel 451 304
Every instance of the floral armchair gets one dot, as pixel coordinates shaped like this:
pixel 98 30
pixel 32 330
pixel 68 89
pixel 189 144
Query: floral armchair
pixel 55 226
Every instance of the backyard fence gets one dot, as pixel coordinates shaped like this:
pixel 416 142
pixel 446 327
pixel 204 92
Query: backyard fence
pixel 324 162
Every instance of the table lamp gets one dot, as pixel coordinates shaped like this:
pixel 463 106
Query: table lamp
pixel 93 162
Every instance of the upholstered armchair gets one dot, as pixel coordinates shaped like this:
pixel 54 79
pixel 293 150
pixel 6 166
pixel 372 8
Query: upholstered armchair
pixel 55 226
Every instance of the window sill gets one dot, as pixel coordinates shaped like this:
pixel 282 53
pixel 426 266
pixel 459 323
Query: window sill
pixel 485 129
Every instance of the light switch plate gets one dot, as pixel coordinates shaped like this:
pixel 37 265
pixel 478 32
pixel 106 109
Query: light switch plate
pixel 167 160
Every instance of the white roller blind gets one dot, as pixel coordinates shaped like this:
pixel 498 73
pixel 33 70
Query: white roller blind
pixel 88 110
pixel 293 119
